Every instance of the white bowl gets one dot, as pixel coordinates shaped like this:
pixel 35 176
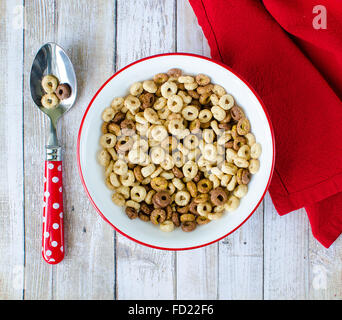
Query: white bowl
pixel 92 173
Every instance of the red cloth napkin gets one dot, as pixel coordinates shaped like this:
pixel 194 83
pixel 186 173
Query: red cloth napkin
pixel 297 71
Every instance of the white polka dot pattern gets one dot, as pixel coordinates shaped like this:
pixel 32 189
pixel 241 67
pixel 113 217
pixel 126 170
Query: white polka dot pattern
pixel 53 230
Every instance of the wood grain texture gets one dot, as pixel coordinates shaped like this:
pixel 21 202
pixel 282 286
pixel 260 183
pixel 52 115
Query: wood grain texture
pixel 285 254
pixel 269 257
pixel 144 28
pixel 11 151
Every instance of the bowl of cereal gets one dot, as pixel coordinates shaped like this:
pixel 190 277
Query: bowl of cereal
pixel 175 151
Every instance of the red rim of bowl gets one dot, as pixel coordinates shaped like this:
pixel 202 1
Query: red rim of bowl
pixel 152 57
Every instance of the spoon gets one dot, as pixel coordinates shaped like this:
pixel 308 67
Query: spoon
pixel 52 59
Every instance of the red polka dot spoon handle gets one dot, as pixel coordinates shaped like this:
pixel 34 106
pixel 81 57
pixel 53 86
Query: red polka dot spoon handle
pixel 53 227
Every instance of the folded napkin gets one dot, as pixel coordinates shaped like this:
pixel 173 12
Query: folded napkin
pixel 297 71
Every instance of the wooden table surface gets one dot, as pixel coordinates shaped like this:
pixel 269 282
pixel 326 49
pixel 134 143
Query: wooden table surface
pixel 269 257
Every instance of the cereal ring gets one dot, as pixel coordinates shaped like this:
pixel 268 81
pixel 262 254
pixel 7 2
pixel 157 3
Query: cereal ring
pixel 118 199
pixel 145 208
pixel 191 186
pixel 150 86
pixel 187 217
pixel 159 133
pixel 215 216
pixel 147 100
pixel 254 166
pixel 214 99
pixel 131 213
pixel 175 219
pixel 195 126
pixel 160 103
pixel 186 79
pixel 167 163
pixel 243 126
pixel 238 143
pixel 232 203
pixel 138 193
pixel 149 196
pixel 243 176
pixel 157 155
pixel 158 216
pixel 204 208
pixel 204 98
pixel 256 150
pixel 132 103
pixel 151 116
pixel 167 226
pixel 176 127
pixel 210 152
pixel 204 186
pixel 240 191
pixel 207 89
pixel 190 86
pixel 205 116
pixel 127 179
pixel 178 183
pixel 49 101
pixel 117 103
pixel 175 103
pixel 188 226
pixel 160 78
pixel 120 116
pixel 144 217
pixel 226 102
pixel 203 197
pixel 161 199
pixel 191 142
pixel 148 170
pixel 244 152
pixel 104 158
pixel 185 96
pixel 127 127
pixel 114 128
pixel 178 173
pixel 159 183
pixel 190 169
pixel 113 178
pixel 193 94
pixel 182 198
pixel 190 113
pixel 218 196
pixel 229 168
pixel 219 90
pixel 241 163
pixel 108 140
pixel 202 79
pixel 123 144
pixel 218 113
pixel 136 88
pixel 250 138
pixel 49 83
pixel 175 72
pixel 202 220
pixel 63 91
pixel 236 113
pixel 178 159
pixel 168 89
pixel 169 144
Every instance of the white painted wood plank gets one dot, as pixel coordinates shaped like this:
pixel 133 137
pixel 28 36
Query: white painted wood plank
pixel 241 261
pixel 202 281
pixel 39 28
pixel 325 276
pixel 285 254
pixel 144 28
pixel 11 151
pixel 86 29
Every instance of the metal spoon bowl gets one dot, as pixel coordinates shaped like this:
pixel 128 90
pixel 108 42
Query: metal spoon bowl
pixel 51 59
